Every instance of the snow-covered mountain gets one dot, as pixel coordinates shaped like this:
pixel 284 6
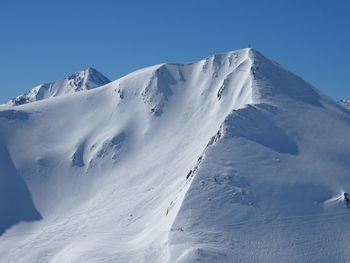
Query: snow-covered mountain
pixel 228 159
pixel 84 80
pixel 346 102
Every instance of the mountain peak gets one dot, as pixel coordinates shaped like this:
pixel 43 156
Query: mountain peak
pixel 346 102
pixel 86 79
pixel 263 153
pixel 261 80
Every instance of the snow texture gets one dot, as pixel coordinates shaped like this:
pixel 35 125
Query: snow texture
pixel 228 159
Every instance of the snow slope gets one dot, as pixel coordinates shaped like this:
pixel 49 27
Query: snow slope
pixel 84 80
pixel 228 159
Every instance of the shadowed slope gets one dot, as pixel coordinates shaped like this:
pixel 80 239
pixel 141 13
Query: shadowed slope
pixel 16 204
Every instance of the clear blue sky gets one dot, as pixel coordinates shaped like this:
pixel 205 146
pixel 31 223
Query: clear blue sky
pixel 46 40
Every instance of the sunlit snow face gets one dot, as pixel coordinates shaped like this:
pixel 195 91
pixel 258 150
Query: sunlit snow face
pixel 203 161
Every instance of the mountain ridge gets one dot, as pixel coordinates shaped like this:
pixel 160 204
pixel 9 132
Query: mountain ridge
pixel 182 162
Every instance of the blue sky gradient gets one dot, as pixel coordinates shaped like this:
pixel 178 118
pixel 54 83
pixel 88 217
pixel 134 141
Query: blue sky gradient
pixel 42 41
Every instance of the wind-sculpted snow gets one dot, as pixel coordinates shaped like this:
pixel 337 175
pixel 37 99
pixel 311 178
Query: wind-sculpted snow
pixel 227 159
pixel 254 125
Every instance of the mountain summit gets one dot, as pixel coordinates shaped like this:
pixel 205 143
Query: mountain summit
pixel 345 102
pixel 86 79
pixel 231 158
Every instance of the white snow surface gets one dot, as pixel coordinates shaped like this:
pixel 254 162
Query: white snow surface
pixel 86 79
pixel 228 159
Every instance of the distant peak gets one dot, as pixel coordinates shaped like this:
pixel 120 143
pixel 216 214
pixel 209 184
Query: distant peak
pixel 92 71
pixel 87 72
pixel 346 102
pixel 85 79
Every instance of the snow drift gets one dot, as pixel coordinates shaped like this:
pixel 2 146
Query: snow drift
pixel 228 159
